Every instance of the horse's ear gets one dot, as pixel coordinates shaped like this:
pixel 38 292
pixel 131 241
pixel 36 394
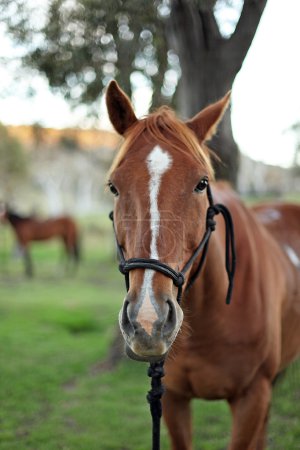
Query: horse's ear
pixel 205 123
pixel 119 108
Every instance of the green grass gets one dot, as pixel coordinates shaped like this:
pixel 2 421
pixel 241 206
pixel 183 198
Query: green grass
pixel 54 332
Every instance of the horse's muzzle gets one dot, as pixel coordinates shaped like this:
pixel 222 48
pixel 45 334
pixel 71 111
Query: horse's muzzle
pixel 149 339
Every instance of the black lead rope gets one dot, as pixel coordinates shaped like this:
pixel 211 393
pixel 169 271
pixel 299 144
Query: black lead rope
pixel 156 370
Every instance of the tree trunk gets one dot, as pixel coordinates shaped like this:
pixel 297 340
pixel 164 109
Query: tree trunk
pixel 209 64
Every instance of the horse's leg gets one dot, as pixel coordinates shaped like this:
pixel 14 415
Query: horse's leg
pixel 250 412
pixel 73 253
pixel 67 256
pixel 27 262
pixel 177 415
pixel 262 439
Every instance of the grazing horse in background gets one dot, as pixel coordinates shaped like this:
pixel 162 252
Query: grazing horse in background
pixel 160 179
pixel 28 229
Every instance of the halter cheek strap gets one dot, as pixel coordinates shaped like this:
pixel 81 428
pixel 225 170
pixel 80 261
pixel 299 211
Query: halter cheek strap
pixel 178 277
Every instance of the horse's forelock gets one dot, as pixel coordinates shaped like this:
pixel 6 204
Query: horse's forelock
pixel 164 127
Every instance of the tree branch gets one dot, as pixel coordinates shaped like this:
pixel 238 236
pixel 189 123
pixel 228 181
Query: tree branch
pixel 243 35
pixel 211 31
pixel 185 16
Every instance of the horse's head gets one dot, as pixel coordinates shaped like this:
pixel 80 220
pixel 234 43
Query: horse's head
pixel 159 181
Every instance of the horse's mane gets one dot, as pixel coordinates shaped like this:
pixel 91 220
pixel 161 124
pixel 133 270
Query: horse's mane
pixel 14 217
pixel 164 127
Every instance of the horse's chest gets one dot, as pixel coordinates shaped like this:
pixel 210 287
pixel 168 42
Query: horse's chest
pixel 208 381
pixel 211 373
pixel 204 382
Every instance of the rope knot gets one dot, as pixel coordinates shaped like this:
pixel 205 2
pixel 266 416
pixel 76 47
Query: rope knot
pixel 122 268
pixel 155 394
pixel 180 280
pixel 156 370
pixel 210 221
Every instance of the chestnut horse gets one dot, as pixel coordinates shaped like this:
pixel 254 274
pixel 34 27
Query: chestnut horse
pixel 29 228
pixel 233 352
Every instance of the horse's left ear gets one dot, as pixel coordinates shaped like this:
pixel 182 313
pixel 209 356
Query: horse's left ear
pixel 205 123
pixel 119 108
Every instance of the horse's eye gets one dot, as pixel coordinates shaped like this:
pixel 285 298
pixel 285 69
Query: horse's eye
pixel 202 185
pixel 113 189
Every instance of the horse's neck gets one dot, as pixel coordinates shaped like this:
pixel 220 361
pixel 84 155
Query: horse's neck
pixel 212 283
pixel 257 255
pixel 207 298
pixel 14 219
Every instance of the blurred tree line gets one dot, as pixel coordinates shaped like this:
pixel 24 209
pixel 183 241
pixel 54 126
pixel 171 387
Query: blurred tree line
pixel 180 47
pixel 296 162
pixel 13 162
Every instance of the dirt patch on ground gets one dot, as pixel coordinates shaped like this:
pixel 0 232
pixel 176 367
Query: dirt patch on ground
pixel 113 358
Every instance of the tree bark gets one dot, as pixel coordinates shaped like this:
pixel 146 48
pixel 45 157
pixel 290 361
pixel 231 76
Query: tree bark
pixel 209 64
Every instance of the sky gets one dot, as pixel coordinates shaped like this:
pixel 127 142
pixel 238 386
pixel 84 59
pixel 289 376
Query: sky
pixel 265 94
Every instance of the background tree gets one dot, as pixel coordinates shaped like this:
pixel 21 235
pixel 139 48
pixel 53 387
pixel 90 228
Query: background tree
pixel 296 160
pixel 13 163
pixel 210 62
pixel 84 43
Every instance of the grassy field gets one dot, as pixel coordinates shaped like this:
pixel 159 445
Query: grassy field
pixel 57 389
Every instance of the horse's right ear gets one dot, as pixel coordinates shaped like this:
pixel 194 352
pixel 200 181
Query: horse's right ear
pixel 119 108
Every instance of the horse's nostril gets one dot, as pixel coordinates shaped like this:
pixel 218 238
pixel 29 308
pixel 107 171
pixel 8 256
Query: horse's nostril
pixel 170 322
pixel 171 311
pixel 126 323
pixel 125 319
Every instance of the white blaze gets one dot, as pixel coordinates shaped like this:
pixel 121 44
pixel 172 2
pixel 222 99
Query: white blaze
pixel 158 162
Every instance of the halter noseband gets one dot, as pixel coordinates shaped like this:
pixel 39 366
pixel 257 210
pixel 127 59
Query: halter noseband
pixel 125 266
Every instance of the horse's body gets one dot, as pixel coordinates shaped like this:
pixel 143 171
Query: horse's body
pixel 224 352
pixel 235 352
pixel 29 228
